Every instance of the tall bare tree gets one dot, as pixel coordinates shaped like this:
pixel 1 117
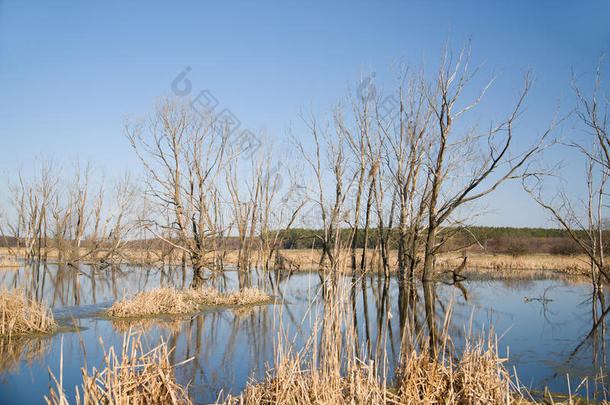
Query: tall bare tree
pixel 184 154
pixel 583 220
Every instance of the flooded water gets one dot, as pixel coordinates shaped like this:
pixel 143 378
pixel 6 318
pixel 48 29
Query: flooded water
pixel 548 327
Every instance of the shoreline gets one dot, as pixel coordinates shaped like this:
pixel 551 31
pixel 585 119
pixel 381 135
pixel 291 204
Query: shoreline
pixel 308 259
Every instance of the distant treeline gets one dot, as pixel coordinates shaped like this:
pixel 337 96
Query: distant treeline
pixel 478 238
pixel 484 239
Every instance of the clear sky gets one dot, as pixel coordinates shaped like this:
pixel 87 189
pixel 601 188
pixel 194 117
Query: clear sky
pixel 70 73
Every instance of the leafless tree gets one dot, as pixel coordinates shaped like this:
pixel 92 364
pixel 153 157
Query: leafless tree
pixel 463 166
pixel 583 220
pixel 328 164
pixel 184 154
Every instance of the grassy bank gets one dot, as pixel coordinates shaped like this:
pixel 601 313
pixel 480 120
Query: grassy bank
pixel 172 301
pixel 496 265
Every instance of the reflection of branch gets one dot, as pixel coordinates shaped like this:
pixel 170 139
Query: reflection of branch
pixel 597 323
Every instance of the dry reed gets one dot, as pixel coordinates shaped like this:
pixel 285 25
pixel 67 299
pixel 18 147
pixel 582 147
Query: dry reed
pixel 329 370
pixel 20 315
pixel 138 377
pixel 171 301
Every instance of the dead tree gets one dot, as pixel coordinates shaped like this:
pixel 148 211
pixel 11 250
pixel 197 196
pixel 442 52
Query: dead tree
pixel 583 221
pixel 185 154
pixel 463 166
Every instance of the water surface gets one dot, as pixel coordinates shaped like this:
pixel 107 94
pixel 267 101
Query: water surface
pixel 544 325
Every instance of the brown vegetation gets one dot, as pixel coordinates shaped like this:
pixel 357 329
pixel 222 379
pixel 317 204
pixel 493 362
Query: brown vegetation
pixel 478 378
pixel 20 315
pixel 138 377
pixel 329 370
pixel 172 301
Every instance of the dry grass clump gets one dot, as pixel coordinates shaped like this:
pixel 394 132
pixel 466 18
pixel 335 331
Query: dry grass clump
pixel 211 296
pixel 162 300
pixel 171 301
pixel 478 377
pixel 137 377
pixel 505 265
pixel 20 315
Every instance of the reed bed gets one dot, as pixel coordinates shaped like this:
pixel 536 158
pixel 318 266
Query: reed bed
pixel 20 315
pixel 139 376
pixel 171 301
pixel 477 377
pixel 507 266
pixel 329 370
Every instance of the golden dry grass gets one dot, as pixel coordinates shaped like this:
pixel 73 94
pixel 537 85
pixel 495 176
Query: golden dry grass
pixel 171 301
pixel 505 265
pixel 308 259
pixel 494 265
pixel 20 315
pixel 478 378
pixel 329 370
pixel 139 376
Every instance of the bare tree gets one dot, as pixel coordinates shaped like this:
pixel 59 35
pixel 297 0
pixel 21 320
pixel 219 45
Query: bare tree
pixel 583 220
pixel 184 154
pixel 464 166
pixel 329 168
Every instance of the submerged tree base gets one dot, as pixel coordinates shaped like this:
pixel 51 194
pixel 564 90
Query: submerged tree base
pixel 172 301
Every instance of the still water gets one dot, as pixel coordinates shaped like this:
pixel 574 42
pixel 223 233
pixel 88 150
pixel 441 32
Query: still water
pixel 548 327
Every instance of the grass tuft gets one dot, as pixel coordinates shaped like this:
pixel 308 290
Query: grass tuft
pixel 20 315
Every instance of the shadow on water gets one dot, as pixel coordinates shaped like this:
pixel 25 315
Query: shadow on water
pixel 552 326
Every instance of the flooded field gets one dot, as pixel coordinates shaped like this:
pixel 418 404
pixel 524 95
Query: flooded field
pixel 548 327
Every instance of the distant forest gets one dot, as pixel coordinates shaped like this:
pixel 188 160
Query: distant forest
pixel 482 239
pixel 477 239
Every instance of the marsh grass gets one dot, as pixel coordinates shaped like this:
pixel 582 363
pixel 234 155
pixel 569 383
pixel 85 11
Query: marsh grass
pixel 138 376
pixel 329 370
pixel 21 315
pixel 510 266
pixel 171 301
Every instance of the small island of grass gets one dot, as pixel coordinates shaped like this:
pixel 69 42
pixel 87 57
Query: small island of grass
pixel 167 300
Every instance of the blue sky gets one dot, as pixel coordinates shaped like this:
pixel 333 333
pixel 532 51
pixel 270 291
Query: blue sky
pixel 70 73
